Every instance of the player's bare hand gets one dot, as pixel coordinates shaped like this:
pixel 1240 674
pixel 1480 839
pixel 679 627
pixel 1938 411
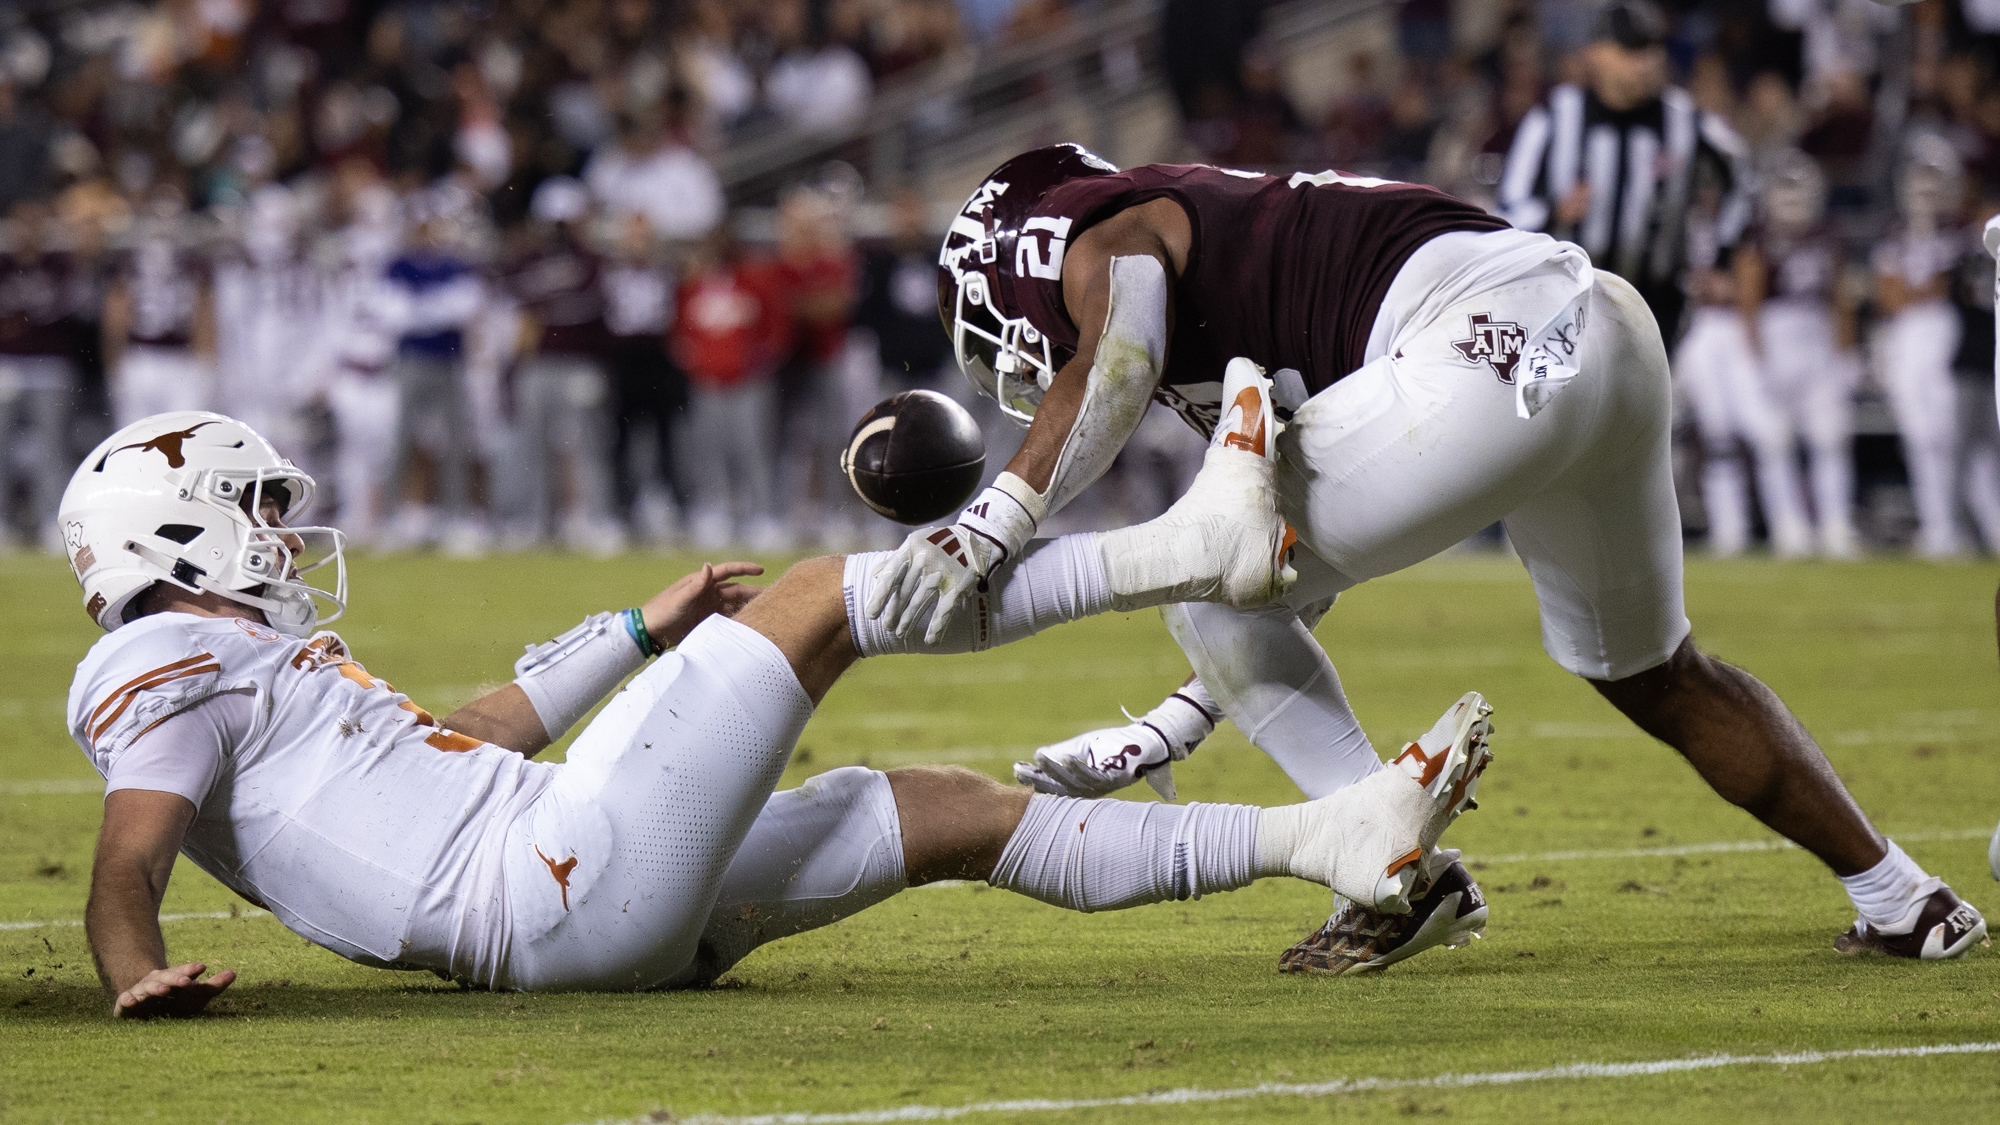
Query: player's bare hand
pixel 674 612
pixel 177 992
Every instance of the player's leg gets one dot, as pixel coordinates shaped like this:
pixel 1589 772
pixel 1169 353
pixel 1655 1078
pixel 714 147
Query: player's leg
pixel 1603 544
pixel 1915 358
pixel 1725 488
pixel 852 837
pixel 612 870
pixel 1825 401
pixel 1764 427
pixel 1978 465
pixel 1274 681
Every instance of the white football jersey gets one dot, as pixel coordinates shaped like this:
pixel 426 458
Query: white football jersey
pixel 346 810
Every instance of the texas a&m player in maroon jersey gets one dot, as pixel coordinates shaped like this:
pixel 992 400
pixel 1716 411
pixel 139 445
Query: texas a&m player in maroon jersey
pixel 1437 372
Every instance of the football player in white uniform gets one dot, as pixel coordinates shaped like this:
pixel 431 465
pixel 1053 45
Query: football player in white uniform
pixel 1806 329
pixel 230 729
pixel 159 318
pixel 1441 373
pixel 1721 367
pixel 1919 333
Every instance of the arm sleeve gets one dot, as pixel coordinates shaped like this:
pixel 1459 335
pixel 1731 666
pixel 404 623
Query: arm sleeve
pixel 1130 356
pixel 184 753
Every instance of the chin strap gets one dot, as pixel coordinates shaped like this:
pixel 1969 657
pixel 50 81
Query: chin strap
pixel 292 616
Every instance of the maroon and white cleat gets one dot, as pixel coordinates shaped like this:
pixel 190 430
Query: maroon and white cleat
pixel 1356 939
pixel 1938 926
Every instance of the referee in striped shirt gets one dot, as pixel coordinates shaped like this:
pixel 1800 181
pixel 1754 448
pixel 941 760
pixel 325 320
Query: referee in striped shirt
pixel 1614 167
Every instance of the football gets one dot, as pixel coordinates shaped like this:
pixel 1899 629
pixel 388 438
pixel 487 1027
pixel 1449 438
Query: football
pixel 915 457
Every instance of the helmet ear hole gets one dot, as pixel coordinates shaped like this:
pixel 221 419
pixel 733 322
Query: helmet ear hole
pixel 182 533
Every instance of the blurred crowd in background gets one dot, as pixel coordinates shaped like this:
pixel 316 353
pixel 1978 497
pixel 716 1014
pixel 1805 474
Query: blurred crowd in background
pixel 482 268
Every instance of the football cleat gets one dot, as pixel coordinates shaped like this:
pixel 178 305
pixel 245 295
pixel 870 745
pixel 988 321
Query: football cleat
pixel 1450 912
pixel 1369 840
pixel 1223 540
pixel 1437 761
pixel 1939 925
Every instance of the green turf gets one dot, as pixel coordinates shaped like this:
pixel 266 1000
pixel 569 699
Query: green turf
pixel 958 995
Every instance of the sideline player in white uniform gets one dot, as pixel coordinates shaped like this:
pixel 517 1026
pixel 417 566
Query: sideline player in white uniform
pixel 1458 374
pixel 272 355
pixel 1806 328
pixel 159 319
pixel 1720 365
pixel 364 321
pixel 1915 342
pixel 230 730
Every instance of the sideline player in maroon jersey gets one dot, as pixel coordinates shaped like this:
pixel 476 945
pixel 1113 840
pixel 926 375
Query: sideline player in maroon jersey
pixel 1438 371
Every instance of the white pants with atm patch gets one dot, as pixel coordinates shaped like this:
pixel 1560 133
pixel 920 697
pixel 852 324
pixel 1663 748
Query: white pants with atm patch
pixel 659 855
pixel 1419 449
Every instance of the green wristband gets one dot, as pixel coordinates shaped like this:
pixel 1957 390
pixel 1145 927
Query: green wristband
pixel 635 624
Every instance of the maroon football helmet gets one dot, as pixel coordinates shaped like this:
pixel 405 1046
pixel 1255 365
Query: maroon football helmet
pixel 992 242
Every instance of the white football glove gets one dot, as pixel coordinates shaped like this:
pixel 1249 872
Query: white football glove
pixel 942 566
pixel 1099 762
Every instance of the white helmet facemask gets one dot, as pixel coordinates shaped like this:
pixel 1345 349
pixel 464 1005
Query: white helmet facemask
pixel 1006 358
pixel 186 498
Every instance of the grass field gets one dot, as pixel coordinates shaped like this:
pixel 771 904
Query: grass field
pixel 1660 950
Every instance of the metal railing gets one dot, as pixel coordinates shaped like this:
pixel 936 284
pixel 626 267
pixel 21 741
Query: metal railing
pixel 967 109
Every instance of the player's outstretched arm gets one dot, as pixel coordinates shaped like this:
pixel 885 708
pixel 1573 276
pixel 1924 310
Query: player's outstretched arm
pixel 1118 289
pixel 572 673
pixel 142 833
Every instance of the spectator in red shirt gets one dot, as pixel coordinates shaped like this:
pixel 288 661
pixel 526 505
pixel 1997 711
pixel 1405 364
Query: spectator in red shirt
pixel 817 268
pixel 729 331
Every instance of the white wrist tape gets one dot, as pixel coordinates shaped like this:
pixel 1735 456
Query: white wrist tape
pixel 565 677
pixel 1002 519
pixel 1183 719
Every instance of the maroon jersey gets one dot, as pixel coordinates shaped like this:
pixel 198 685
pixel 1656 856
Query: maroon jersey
pixel 560 285
pixel 165 282
pixel 1803 268
pixel 42 300
pixel 1289 272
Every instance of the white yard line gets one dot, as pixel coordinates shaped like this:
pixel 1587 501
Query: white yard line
pixel 1196 1096
pixel 211 914
pixel 51 787
pixel 1718 847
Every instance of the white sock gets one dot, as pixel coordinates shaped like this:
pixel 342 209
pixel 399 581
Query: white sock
pixel 1277 685
pixel 1182 554
pixel 1884 893
pixel 1056 580
pixel 1108 854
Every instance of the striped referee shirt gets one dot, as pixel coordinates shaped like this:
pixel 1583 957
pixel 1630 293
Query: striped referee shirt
pixel 1640 165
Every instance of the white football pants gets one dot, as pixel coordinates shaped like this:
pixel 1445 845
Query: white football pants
pixel 556 477
pixel 365 408
pixel 1913 354
pixel 1979 454
pixel 611 873
pixel 1813 381
pixel 1725 386
pixel 1416 451
pixel 154 380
